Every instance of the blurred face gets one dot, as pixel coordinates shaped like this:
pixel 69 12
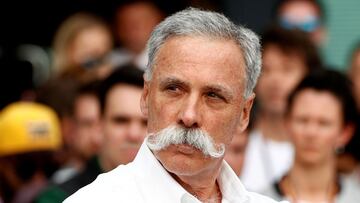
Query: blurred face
pixel 280 74
pixel 304 15
pixel 87 129
pixel 135 22
pixel 235 153
pixel 124 125
pixel 197 83
pixel 355 76
pixel 316 127
pixel 90 43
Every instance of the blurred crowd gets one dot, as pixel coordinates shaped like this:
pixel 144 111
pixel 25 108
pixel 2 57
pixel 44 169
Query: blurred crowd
pixel 74 110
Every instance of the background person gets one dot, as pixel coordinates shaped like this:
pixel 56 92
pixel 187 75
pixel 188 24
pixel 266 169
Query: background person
pixel 288 55
pixel 85 135
pixel 123 128
pixel 81 46
pixel 320 119
pixel 29 136
pixel 235 154
pixel 133 23
pixel 305 15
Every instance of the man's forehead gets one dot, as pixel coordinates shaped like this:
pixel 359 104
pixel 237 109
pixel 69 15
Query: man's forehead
pixel 211 58
pixel 196 43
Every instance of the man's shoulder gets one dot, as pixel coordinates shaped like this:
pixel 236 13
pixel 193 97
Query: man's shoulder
pixel 107 187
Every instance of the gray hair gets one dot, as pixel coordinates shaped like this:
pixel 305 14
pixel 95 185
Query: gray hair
pixel 195 22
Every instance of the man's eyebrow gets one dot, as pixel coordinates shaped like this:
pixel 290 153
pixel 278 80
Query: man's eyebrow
pixel 172 80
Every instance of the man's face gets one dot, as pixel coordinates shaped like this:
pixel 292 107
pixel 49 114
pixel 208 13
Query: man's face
pixel 315 125
pixel 87 117
pixel 235 153
pixel 197 82
pixel 124 125
pixel 281 72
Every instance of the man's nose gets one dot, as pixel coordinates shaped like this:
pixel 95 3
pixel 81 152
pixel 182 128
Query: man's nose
pixel 189 114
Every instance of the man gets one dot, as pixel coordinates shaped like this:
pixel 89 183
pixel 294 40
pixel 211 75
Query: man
pixel 86 136
pixel 287 57
pixel 123 128
pixel 59 93
pixel 87 120
pixel 197 92
pixel 320 119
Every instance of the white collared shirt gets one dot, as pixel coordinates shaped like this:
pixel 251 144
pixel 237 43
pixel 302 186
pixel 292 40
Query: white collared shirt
pixel 146 180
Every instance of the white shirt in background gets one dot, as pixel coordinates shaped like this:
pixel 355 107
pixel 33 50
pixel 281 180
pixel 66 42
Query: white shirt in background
pixel 265 161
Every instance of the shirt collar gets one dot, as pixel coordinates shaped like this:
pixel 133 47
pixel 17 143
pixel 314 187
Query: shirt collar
pixel 230 185
pixel 150 170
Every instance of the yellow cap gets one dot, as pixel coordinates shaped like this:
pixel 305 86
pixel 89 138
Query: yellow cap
pixel 28 127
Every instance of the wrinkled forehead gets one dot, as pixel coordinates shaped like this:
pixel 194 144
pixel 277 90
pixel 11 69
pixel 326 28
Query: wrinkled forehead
pixel 200 46
pixel 207 57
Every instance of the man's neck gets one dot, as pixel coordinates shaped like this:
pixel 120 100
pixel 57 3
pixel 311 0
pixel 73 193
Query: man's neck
pixel 272 126
pixel 203 186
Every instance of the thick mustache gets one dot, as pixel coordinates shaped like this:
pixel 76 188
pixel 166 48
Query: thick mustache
pixel 194 137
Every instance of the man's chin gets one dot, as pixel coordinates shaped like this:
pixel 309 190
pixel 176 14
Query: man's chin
pixel 180 163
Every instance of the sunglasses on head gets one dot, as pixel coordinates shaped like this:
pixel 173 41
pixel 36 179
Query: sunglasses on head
pixel 308 25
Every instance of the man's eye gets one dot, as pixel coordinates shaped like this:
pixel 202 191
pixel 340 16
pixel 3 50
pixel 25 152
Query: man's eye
pixel 172 88
pixel 214 95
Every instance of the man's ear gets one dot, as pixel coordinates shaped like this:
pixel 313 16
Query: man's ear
pixel 144 99
pixel 246 110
